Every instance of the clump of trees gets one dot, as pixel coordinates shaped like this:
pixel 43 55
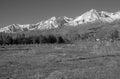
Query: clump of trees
pixel 31 39
pixel 114 35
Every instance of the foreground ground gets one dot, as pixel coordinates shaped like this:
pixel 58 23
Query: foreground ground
pixel 66 61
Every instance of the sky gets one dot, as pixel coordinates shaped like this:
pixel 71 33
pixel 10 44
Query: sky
pixel 33 11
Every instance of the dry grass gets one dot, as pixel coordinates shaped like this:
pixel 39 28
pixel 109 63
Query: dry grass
pixel 71 61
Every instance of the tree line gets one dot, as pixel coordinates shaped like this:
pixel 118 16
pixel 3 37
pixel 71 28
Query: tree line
pixel 9 39
pixel 34 39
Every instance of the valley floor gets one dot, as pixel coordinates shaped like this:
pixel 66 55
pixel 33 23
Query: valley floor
pixel 86 60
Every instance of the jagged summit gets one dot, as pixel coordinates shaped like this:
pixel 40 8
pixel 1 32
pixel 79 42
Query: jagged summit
pixel 48 24
pixel 91 16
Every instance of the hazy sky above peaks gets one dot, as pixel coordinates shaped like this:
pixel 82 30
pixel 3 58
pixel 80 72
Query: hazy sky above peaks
pixel 33 11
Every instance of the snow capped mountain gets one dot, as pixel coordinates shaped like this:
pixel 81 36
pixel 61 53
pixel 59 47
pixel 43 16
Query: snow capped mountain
pixel 17 28
pixel 43 25
pixel 48 24
pixel 91 16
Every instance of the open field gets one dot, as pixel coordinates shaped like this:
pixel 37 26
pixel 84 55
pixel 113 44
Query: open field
pixel 86 60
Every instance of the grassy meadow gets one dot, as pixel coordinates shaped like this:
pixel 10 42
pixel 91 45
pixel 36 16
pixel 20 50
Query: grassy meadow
pixel 84 60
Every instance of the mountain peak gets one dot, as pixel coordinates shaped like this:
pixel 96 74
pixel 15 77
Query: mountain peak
pixel 89 16
pixel 93 10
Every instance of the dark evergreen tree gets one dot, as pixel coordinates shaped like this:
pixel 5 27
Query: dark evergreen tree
pixel 115 35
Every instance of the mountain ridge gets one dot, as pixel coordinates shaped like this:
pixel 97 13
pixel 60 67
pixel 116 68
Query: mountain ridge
pixel 91 16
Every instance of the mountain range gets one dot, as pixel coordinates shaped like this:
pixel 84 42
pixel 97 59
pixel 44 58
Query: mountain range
pixel 92 16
